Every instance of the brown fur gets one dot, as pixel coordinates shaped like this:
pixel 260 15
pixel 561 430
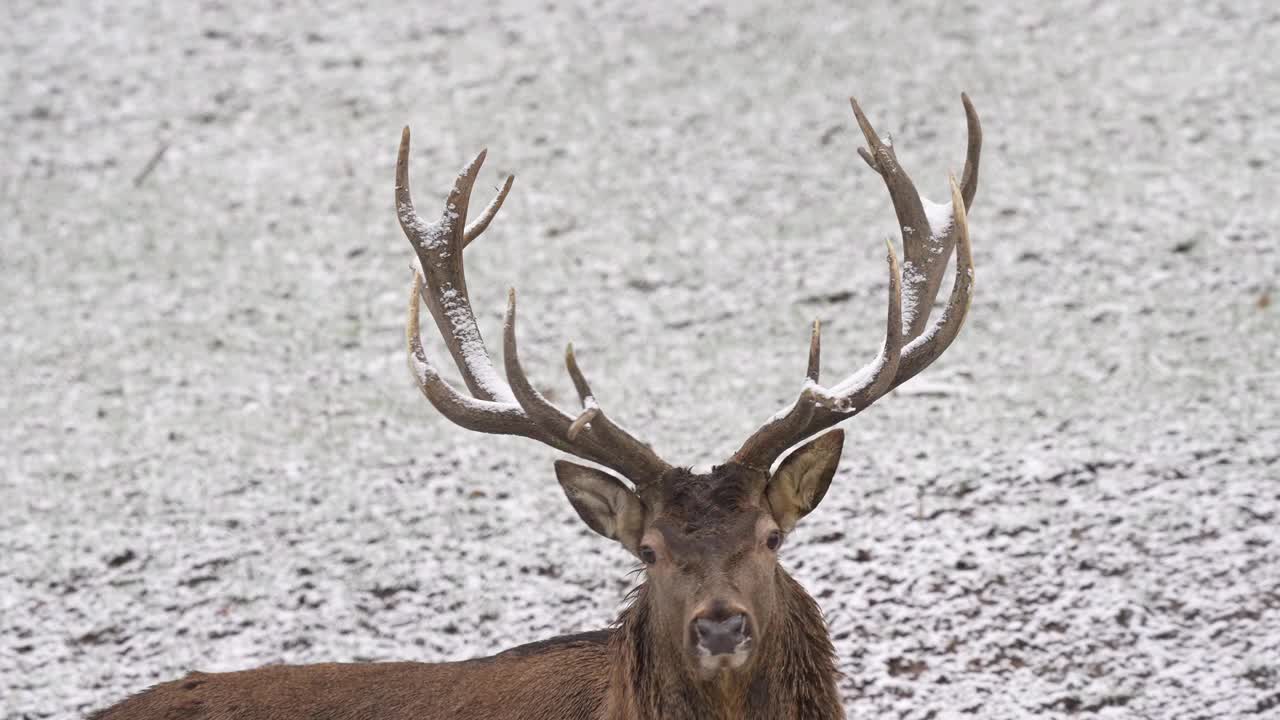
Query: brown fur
pixel 621 674
pixel 791 677
pixel 562 681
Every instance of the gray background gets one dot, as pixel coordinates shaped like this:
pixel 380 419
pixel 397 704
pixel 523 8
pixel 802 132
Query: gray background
pixel 214 458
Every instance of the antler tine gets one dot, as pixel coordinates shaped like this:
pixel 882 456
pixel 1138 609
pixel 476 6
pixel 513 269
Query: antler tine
pixel 539 409
pixel 590 407
pixel 482 223
pixel 906 201
pixel 910 343
pixel 612 435
pixel 868 384
pixel 514 407
pixel 973 153
pixel 814 371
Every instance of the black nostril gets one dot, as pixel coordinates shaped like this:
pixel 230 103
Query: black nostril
pixel 721 637
pixel 735 624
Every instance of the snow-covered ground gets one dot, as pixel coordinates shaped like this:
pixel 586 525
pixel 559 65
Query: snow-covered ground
pixel 214 458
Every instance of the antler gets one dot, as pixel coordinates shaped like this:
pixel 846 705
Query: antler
pixel 929 233
pixel 513 407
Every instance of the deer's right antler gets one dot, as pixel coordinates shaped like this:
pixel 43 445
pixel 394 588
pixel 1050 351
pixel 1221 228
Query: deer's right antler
pixel 493 406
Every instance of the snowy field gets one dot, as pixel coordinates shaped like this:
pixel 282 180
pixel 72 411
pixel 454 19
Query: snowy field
pixel 213 456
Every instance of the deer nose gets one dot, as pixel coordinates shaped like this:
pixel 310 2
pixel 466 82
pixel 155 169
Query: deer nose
pixel 721 636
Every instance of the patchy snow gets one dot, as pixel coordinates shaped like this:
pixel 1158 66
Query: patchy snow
pixel 941 219
pixel 433 236
pixel 914 281
pixel 214 458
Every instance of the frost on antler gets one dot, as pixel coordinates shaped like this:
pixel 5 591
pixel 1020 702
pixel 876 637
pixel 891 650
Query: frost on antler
pixel 513 406
pixel 930 233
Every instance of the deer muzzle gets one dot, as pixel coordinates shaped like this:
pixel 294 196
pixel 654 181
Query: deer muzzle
pixel 722 642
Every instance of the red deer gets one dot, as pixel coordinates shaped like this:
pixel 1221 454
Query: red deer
pixel 717 629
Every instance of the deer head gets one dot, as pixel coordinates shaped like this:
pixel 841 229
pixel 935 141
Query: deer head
pixel 709 542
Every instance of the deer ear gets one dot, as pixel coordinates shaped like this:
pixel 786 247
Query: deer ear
pixel 803 478
pixel 603 502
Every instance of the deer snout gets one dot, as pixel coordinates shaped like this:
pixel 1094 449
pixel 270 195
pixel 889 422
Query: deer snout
pixel 725 634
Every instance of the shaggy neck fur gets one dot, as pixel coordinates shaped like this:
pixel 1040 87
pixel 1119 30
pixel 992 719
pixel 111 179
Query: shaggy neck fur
pixel 792 676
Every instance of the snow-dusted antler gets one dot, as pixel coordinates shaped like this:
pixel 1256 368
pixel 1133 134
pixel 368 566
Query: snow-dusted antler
pixel 494 406
pixel 929 234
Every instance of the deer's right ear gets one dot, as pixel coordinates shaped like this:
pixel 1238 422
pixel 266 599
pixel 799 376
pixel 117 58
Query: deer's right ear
pixel 603 502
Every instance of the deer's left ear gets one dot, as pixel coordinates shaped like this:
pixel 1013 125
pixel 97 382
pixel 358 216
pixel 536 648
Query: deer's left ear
pixel 603 502
pixel 803 478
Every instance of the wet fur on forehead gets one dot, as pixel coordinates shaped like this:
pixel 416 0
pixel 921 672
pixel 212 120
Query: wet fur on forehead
pixel 704 504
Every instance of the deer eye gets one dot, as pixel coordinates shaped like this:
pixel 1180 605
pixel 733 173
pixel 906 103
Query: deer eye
pixel 647 555
pixel 774 541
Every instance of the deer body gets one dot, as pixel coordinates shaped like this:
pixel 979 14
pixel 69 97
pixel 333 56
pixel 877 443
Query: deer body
pixel 718 630
pixel 558 679
pixel 614 674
